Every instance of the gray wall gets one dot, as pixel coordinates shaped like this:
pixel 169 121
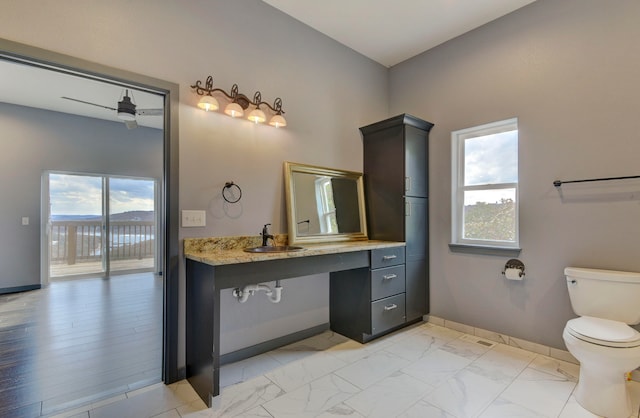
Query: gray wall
pixel 34 141
pixel 569 71
pixel 328 91
pixel 566 69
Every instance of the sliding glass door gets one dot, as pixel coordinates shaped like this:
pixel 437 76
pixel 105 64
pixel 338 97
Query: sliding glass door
pixel 132 224
pixel 98 224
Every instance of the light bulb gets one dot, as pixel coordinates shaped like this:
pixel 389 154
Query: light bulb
pixel 234 110
pixel 257 116
pixel 208 103
pixel 278 121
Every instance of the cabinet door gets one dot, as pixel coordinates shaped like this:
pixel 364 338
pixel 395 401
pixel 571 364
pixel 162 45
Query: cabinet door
pixel 416 161
pixel 417 297
pixel 417 255
pixel 350 303
pixel 384 181
pixel 416 228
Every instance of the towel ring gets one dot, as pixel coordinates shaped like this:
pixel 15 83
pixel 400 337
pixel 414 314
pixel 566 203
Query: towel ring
pixel 231 192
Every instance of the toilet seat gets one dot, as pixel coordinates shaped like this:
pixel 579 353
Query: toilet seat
pixel 603 332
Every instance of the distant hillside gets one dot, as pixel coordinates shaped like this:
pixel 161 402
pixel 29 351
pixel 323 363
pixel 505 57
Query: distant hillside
pixel 493 221
pixel 134 215
pixel 74 217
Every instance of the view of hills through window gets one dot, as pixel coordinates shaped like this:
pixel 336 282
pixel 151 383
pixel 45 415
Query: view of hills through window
pixel 490 187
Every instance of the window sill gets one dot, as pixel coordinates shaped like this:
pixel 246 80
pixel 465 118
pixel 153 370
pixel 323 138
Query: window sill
pixel 484 249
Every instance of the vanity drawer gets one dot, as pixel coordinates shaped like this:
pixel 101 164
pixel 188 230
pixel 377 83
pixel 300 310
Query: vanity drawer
pixel 385 257
pixel 387 282
pixel 387 313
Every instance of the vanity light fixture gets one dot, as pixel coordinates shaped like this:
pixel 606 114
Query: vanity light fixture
pixel 239 103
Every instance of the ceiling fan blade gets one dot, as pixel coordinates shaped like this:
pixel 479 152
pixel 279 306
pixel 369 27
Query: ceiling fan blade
pixel 150 112
pixel 89 103
pixel 131 124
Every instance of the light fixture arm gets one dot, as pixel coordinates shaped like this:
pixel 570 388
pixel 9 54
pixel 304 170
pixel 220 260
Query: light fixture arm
pixel 234 92
pixel 208 89
pixel 277 106
pixel 257 99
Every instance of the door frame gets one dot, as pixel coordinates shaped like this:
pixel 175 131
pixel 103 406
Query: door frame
pixel 168 214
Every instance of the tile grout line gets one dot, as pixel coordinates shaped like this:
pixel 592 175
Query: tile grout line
pixel 510 382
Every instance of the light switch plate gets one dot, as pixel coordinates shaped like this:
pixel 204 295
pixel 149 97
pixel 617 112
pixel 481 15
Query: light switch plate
pixel 25 220
pixel 193 218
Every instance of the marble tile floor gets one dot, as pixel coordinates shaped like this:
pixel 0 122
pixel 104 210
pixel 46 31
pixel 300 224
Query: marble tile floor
pixel 424 371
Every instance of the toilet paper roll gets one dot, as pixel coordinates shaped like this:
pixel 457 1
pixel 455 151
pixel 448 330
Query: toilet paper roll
pixel 513 274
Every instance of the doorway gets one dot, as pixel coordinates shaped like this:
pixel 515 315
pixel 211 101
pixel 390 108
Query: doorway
pixel 99 225
pixel 167 212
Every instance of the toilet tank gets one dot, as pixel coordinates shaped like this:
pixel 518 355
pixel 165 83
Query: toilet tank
pixel 605 294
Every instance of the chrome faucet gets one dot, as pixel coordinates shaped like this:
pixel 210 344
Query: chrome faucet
pixel 266 235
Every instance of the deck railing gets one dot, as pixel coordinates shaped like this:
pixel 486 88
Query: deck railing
pixel 71 242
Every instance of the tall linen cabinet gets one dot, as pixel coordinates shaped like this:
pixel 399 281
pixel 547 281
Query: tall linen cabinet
pixel 396 184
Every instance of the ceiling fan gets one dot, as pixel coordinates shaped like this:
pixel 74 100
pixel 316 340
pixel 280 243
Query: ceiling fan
pixel 126 110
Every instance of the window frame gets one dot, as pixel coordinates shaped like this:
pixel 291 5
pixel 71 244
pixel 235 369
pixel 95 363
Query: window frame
pixel 458 188
pixel 326 213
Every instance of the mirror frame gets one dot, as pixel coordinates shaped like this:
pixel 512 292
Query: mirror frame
pixel 291 168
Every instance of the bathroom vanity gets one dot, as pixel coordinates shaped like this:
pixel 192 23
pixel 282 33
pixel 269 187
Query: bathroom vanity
pixel 376 286
pixel 356 269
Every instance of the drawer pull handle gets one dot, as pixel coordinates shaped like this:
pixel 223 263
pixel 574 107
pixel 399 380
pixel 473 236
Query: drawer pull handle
pixel 389 257
pixel 390 307
pixel 389 276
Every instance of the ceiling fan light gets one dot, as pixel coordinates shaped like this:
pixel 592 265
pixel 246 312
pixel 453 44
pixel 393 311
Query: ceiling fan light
pixel 208 103
pixel 234 110
pixel 126 115
pixel 126 109
pixel 257 116
pixel 278 121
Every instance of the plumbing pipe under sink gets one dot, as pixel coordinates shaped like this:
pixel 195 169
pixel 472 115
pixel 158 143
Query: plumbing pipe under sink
pixel 274 295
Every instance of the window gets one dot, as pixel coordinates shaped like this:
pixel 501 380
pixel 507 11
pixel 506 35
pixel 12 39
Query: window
pixel 485 185
pixel 326 207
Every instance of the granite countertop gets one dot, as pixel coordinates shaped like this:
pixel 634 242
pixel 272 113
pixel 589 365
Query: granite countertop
pixel 219 251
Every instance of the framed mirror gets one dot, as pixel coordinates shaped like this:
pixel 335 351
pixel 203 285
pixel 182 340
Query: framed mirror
pixel 324 204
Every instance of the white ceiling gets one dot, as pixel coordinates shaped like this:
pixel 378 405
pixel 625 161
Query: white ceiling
pixel 390 32
pixel 27 85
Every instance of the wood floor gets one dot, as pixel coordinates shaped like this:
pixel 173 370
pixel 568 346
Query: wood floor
pixel 95 267
pixel 77 342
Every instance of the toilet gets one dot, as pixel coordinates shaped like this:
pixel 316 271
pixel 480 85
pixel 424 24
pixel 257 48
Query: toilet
pixel 601 339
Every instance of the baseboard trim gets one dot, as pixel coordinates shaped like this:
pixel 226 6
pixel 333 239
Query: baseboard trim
pixel 254 350
pixel 556 353
pixel 18 289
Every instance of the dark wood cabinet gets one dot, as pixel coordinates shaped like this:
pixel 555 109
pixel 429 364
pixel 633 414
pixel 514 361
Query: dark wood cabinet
pixel 369 302
pixel 417 256
pixel 396 155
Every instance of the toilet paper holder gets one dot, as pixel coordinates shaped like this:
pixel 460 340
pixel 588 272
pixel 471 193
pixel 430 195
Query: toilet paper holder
pixel 514 263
